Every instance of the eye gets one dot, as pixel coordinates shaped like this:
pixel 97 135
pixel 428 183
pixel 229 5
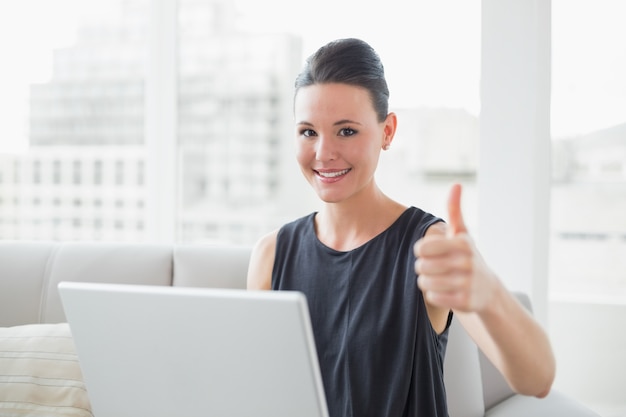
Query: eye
pixel 347 131
pixel 307 133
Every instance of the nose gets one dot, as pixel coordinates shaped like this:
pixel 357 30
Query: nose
pixel 326 149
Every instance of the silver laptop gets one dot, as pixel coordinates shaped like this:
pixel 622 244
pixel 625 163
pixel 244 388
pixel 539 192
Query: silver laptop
pixel 172 351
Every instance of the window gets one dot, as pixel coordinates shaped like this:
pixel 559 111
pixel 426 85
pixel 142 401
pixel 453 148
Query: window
pixel 587 244
pixel 36 172
pixel 17 166
pixel 76 172
pixel 73 83
pixel 119 172
pixel 97 172
pixel 140 173
pixel 589 150
pixel 56 172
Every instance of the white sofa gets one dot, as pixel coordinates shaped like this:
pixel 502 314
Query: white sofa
pixel 32 320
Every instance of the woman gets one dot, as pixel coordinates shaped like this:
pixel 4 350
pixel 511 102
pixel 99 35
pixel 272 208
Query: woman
pixel 382 280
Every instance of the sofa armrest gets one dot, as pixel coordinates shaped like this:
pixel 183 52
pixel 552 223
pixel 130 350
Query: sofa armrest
pixel 461 374
pixel 495 387
pixel 501 401
pixel 23 268
pixel 555 404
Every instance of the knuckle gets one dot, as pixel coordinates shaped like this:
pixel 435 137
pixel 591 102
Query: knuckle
pixel 419 266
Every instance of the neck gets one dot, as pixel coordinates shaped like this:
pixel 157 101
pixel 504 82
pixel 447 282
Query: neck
pixel 349 224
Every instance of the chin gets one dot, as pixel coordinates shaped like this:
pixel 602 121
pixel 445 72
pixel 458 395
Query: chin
pixel 329 197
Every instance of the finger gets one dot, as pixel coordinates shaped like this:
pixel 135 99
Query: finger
pixel 440 265
pixel 440 246
pixel 450 283
pixel 455 216
pixel 452 299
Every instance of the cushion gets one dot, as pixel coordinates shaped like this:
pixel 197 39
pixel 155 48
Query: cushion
pixel 39 372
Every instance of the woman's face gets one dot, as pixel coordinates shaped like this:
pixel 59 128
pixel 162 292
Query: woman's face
pixel 339 139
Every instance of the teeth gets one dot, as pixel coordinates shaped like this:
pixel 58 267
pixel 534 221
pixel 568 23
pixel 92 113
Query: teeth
pixel 333 174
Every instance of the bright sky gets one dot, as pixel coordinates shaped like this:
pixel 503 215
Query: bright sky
pixel 29 31
pixel 588 65
pixel 430 49
pixel 431 54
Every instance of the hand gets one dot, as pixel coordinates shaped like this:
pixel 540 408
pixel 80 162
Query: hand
pixel 452 273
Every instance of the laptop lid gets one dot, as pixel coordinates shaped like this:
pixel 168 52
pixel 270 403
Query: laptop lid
pixel 173 351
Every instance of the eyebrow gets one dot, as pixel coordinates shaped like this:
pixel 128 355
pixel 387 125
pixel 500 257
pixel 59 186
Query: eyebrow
pixel 337 123
pixel 345 121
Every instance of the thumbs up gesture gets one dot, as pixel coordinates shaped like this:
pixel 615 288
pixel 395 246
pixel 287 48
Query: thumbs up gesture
pixel 451 271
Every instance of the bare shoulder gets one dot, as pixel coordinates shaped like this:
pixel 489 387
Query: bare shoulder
pixel 262 262
pixel 437 229
pixel 438 315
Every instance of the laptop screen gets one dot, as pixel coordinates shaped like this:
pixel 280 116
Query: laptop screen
pixel 172 351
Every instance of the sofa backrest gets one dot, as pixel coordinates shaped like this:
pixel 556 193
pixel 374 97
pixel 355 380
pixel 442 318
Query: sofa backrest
pixel 31 271
pixel 214 266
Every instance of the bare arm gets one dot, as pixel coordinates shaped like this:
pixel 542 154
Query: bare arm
pixel 262 263
pixel 453 275
pixel 514 342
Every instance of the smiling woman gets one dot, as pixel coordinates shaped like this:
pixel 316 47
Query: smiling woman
pixel 383 279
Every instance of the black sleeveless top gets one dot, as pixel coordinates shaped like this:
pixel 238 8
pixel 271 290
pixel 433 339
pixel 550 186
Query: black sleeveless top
pixel 379 355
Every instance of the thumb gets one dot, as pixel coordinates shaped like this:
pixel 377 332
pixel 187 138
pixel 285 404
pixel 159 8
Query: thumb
pixel 455 216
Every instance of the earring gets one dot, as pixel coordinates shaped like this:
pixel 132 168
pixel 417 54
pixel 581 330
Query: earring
pixel 386 146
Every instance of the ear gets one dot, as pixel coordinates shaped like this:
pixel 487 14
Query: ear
pixel 389 129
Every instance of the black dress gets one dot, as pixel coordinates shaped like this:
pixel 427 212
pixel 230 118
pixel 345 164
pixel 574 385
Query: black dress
pixel 378 353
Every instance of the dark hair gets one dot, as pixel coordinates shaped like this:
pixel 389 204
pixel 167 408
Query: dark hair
pixel 348 61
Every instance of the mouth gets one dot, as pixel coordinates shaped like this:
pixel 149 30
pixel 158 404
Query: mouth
pixel 332 174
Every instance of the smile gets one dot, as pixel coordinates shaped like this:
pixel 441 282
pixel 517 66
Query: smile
pixel 333 174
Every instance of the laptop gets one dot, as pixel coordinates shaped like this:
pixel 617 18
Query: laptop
pixel 172 351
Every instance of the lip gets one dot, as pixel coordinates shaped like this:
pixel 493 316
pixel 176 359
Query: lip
pixel 331 175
